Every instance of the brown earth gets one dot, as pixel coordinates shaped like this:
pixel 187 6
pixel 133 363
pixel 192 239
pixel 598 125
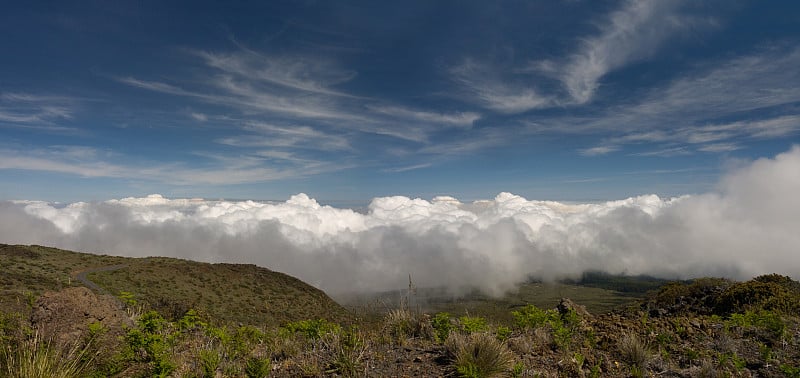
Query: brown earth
pixel 67 314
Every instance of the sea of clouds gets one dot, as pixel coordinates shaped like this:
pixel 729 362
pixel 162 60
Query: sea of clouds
pixel 749 225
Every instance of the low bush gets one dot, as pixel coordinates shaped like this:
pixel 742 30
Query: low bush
pixel 472 324
pixel 256 367
pixel 765 325
pixel 311 329
pixel 150 341
pixel 531 317
pixel 441 326
pixel 561 326
pixel 770 292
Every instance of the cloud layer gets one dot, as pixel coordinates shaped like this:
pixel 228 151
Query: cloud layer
pixel 748 226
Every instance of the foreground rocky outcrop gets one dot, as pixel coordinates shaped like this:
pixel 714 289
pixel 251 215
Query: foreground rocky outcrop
pixel 67 314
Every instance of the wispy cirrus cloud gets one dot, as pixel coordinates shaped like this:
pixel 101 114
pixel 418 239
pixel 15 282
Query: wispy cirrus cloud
pixel 666 152
pixel 457 119
pixel 33 111
pixel 270 135
pixel 300 89
pixel 720 147
pixel 407 168
pixel 301 73
pixel 705 138
pixel 475 141
pixel 240 94
pixel 217 170
pixel 695 110
pixel 599 150
pixel 200 117
pixel 630 34
pixel 485 86
pixel 76 160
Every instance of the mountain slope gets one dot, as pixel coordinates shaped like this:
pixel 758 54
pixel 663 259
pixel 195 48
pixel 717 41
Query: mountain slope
pixel 236 293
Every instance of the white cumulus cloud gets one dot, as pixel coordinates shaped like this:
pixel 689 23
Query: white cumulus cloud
pixel 747 226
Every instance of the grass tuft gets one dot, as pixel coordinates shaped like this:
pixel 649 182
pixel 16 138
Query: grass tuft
pixel 37 357
pixel 478 355
pixel 634 351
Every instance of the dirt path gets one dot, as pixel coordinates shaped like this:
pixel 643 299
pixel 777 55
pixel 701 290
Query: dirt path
pixel 81 276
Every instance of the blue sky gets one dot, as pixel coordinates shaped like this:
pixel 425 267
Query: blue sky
pixel 571 100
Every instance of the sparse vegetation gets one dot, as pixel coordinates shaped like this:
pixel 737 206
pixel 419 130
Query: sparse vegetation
pixel 706 327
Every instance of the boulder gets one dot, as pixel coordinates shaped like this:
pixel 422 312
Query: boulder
pixel 567 304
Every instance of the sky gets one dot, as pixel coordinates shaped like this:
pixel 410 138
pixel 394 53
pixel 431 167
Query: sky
pixel 348 101
pixel 471 144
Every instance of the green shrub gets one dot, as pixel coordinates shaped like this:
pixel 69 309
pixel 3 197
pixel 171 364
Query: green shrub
pixel 502 333
pixel 128 298
pixel 562 336
pixel 595 371
pixel 517 370
pixel 11 327
pixel 732 361
pixel 151 322
pixel 95 330
pixel 562 326
pixel 150 342
pixel 790 371
pixel 579 359
pixel 257 367
pixel 311 329
pixel 472 324
pixel 697 296
pixel 244 339
pixel 769 325
pixel 209 362
pixel 771 292
pixel 190 321
pixel 531 317
pixel 441 326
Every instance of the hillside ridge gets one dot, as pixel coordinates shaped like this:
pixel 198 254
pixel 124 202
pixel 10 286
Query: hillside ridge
pixel 239 293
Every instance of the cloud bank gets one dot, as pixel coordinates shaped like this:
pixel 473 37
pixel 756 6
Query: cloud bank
pixel 747 226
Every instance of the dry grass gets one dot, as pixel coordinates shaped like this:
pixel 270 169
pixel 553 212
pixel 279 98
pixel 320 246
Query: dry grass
pixel 634 351
pixel 478 355
pixel 402 324
pixel 38 357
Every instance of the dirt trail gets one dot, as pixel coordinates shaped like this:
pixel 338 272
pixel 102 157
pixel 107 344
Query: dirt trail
pixel 81 276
